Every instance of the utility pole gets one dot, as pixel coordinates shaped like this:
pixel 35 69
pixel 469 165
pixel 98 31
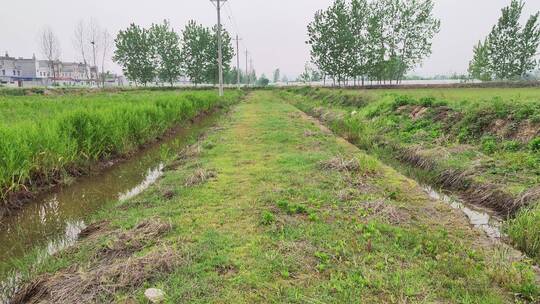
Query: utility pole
pixel 237 62
pixel 247 72
pixel 251 70
pixel 93 43
pixel 220 57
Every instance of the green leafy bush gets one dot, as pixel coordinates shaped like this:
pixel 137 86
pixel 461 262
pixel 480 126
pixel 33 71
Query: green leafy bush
pixel 534 144
pixel 489 144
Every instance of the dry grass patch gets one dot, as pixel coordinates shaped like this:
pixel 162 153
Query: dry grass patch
pixel 99 284
pixel 199 176
pixel 309 133
pixel 341 164
pixel 129 242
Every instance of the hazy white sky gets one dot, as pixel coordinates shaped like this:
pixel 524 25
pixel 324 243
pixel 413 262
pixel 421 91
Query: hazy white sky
pixel 273 31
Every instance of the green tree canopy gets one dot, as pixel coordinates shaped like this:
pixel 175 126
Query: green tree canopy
pixel 379 39
pixel 509 49
pixel 135 53
pixel 200 52
pixel 167 52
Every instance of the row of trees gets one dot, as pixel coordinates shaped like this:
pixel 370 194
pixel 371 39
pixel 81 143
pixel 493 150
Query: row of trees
pixel 376 40
pixel 508 52
pixel 160 53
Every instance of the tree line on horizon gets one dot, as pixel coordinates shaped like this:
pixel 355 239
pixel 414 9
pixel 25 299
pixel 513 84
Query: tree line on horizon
pixel 160 54
pixel 376 40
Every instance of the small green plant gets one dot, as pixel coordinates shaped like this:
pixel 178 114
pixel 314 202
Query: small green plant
pixel 512 146
pixel 524 231
pixel 313 217
pixel 291 208
pixel 268 218
pixel 489 144
pixel 534 144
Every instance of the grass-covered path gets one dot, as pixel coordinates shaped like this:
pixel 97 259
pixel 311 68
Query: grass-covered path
pixel 273 208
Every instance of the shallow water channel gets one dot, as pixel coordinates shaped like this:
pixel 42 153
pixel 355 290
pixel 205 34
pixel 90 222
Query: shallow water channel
pixel 54 220
pixel 479 218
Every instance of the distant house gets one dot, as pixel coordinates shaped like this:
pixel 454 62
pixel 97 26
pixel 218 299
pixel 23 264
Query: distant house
pixel 10 70
pixel 34 72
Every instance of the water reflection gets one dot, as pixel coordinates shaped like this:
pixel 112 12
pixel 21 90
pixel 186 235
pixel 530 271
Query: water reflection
pixel 479 219
pixel 151 177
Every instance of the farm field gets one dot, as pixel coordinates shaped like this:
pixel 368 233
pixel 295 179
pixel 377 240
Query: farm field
pixel 272 207
pixel 482 143
pixel 44 139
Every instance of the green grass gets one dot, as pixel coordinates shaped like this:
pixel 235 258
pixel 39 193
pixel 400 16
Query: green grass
pixel 42 137
pixel 278 224
pixel 487 134
pixel 524 230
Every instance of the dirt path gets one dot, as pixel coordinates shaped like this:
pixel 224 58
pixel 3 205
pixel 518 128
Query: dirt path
pixel 272 208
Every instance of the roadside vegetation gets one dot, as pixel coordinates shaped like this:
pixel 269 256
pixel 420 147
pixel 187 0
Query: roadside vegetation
pixel 480 142
pixel 271 207
pixel 46 138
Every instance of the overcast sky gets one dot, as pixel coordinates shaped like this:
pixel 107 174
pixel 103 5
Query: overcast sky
pixel 274 31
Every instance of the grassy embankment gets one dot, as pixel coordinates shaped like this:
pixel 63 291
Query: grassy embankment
pixel 484 143
pixel 45 138
pixel 273 208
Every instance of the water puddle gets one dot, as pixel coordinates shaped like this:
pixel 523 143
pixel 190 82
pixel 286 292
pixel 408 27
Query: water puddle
pixel 480 219
pixel 54 221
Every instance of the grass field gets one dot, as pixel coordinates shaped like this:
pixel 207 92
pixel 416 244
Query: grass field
pixel 484 143
pixel 43 138
pixel 271 207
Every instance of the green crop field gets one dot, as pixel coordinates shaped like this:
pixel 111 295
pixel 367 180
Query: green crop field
pixel 45 137
pixel 482 143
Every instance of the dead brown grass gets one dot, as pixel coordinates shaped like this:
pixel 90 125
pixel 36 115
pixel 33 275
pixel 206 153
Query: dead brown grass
pixel 340 164
pixel 126 243
pixel 113 269
pixel 386 212
pixel 100 283
pixel 199 176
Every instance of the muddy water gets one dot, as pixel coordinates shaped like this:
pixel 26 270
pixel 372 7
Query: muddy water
pixel 54 220
pixel 479 218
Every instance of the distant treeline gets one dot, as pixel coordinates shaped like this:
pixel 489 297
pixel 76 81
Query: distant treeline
pixel 383 40
pixel 160 54
pixel 376 40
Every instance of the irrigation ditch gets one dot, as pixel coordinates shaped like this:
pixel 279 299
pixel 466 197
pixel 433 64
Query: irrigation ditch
pixel 53 220
pixel 485 207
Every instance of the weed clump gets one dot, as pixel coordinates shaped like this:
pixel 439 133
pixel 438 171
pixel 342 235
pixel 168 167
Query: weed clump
pixel 199 176
pixel 535 145
pixel 340 164
pixel 267 218
pixel 524 231
pixel 126 243
pixel 291 208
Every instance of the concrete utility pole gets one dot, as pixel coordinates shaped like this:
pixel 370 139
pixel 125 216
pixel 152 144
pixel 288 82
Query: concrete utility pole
pixel 247 72
pixel 251 70
pixel 93 43
pixel 220 56
pixel 237 62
